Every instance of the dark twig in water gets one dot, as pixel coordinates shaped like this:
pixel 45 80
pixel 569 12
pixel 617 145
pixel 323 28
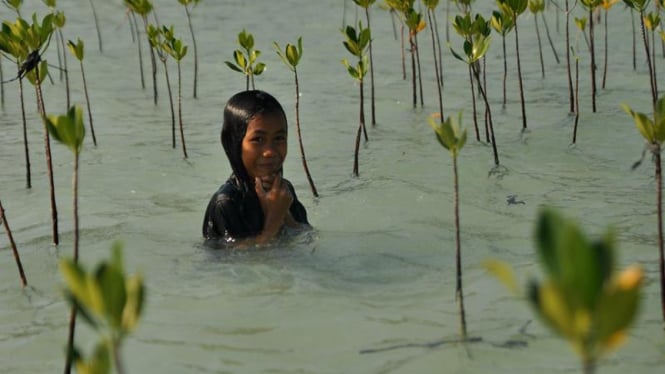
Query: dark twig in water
pixel 433 344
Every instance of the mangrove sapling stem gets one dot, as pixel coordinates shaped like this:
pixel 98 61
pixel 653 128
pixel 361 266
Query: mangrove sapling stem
pixel 196 54
pixel 70 340
pixel 135 28
pixel 436 65
pixel 17 257
pixel 459 294
pixel 420 75
pixel 402 51
pixel 653 62
pixel 302 148
pixel 505 70
pixel 571 95
pixel 632 22
pixel 549 37
pixel 519 73
pixel 99 32
pixel 473 103
pixel 654 93
pixel 87 103
pixel 447 24
pixel 413 71
pixel 592 50
pixel 182 131
pixel 659 202
pixel 153 60
pixel 168 89
pixel 438 45
pixel 540 47
pixel 361 126
pixel 371 71
pixel 577 98
pixel 49 162
pixel 64 61
pixel 606 48
pixel 26 148
pixel 489 112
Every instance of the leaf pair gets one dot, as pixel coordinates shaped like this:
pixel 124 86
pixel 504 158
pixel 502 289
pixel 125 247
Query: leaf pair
pixel 291 55
pixel 653 130
pixel 582 298
pixel 67 129
pixel 449 133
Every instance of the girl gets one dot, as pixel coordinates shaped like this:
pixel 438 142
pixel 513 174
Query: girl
pixel 255 203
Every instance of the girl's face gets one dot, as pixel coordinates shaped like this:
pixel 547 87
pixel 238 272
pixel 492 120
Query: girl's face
pixel 264 147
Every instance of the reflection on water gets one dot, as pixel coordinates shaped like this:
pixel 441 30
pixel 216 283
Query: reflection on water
pixel 371 289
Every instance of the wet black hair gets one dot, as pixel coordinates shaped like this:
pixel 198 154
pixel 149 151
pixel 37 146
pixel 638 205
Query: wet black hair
pixel 238 112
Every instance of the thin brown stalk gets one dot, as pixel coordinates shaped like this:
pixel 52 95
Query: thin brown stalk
pixel 182 131
pixel 87 103
pixel 437 61
pixel 420 75
pixel 302 148
pixel 135 31
pixel 26 148
pixel 361 126
pixel 592 50
pixel 17 257
pixel 519 74
pixel 371 72
pixel 459 294
pixel 49 163
pixel 196 55
pixel 659 202
pixel 99 32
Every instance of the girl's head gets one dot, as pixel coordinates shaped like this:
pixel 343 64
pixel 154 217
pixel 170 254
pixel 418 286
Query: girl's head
pixel 254 136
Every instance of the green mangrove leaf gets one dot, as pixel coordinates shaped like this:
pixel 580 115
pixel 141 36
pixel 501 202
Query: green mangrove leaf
pixel 112 286
pixel 68 129
pixel 43 71
pixel 643 124
pixel 292 54
pixel 76 49
pixel 240 60
pixel 75 280
pixel 504 273
pixel 618 308
pixel 135 301
pixel 259 68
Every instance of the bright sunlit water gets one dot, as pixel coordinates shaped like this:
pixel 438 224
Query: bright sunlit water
pixel 371 290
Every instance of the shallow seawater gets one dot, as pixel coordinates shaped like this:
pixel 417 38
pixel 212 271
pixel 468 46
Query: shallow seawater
pixel 371 289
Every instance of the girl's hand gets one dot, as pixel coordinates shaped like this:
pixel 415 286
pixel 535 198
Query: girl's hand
pixel 275 203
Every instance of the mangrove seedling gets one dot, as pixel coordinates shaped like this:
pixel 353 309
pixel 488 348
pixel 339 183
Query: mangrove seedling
pixel 77 49
pixel 291 57
pixel 475 49
pixel 536 7
pixel 186 4
pixel 640 6
pixel 582 298
pixel 591 6
pixel 143 8
pixel 365 4
pixel 110 302
pixel 35 38
pixel 414 21
pixel 11 44
pixel 157 37
pixel 176 49
pixel 452 138
pixel 400 8
pixel 606 5
pixel 503 23
pixel 356 42
pixel 571 95
pixel 70 131
pixel 467 27
pixel 245 62
pixel 17 257
pixel 515 8
pixel 652 22
pixel 653 132
pixel 436 49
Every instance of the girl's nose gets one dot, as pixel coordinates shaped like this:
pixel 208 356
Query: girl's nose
pixel 269 151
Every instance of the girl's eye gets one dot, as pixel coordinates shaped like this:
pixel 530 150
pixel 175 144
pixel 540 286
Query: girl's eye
pixel 280 138
pixel 256 139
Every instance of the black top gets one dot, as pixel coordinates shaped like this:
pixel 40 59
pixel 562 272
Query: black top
pixel 234 212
